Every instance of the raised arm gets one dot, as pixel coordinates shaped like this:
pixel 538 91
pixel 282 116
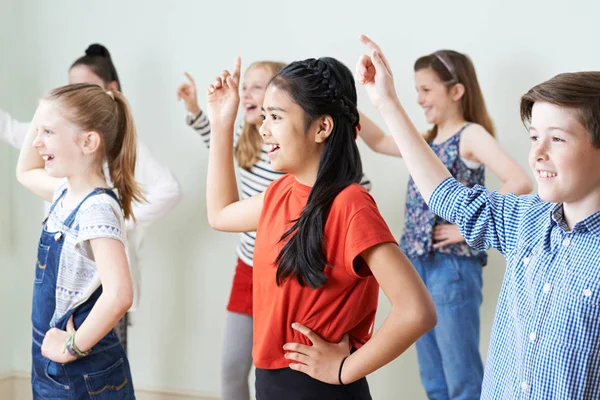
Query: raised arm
pixel 30 166
pixel 225 211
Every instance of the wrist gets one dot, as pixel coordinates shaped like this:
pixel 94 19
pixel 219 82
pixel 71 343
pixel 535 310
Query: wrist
pixel 341 379
pixel 390 105
pixel 193 111
pixel 72 348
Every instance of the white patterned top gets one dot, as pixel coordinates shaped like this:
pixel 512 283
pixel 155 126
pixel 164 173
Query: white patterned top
pixel 99 216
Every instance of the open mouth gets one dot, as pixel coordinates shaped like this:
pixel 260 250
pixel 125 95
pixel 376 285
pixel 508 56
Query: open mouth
pixel 273 149
pixel 547 174
pixel 47 158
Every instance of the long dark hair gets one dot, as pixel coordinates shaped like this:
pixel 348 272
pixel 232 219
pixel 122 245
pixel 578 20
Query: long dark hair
pixel 320 87
pixel 98 59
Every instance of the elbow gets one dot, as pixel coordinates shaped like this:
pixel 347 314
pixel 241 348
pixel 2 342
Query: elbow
pixel 213 221
pixel 526 186
pixel 427 319
pixel 19 176
pixel 523 186
pixel 217 225
pixel 121 299
pixel 424 318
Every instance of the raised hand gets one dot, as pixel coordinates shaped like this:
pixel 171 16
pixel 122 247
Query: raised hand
pixel 375 74
pixel 187 92
pixel 223 97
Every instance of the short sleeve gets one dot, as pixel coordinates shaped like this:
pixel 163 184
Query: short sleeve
pixel 99 220
pixel 366 229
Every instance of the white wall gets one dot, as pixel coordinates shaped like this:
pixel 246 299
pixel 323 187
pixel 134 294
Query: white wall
pixel 187 267
pixel 7 268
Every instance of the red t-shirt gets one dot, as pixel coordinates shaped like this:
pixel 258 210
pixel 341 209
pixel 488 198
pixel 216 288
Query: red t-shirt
pixel 346 303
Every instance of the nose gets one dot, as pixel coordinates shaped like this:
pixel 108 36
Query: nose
pixel 263 130
pixel 540 150
pixel 38 142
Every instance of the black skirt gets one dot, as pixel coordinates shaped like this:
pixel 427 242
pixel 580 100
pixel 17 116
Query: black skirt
pixel 287 384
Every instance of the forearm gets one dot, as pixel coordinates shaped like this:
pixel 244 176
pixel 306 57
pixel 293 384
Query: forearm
pixel 423 164
pixel 398 332
pixel 108 310
pixel 221 186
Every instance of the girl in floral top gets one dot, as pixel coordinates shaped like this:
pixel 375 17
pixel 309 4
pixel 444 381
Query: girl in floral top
pixel 462 136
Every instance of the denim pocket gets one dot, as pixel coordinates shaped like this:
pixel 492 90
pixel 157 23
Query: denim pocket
pixel 110 383
pixel 40 265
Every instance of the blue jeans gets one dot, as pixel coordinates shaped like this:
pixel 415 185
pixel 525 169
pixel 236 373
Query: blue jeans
pixel 449 361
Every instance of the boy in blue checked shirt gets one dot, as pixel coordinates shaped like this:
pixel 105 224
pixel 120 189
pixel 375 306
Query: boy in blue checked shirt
pixel 545 341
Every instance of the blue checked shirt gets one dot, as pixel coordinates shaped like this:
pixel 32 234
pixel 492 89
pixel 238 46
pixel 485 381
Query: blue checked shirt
pixel 545 340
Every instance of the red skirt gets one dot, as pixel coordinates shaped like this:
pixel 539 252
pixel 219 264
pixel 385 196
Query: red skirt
pixel 240 299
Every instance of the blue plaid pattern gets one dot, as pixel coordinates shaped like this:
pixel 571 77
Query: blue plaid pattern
pixel 545 340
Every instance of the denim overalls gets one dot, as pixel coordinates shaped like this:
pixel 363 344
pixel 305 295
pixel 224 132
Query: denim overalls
pixel 104 374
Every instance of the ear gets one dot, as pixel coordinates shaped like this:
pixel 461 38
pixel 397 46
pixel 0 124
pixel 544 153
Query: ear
pixel 90 142
pixel 324 126
pixel 113 86
pixel 457 91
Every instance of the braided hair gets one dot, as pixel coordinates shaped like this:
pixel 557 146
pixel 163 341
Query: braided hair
pixel 320 87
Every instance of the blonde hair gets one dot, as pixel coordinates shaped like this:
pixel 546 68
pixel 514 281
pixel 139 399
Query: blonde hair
pixel 249 145
pixel 91 108
pixel 453 67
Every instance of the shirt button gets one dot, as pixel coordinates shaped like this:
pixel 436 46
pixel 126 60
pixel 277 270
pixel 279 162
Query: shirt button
pixel 566 242
pixel 524 386
pixel 532 337
pixel 587 292
pixel 547 288
pixel 526 260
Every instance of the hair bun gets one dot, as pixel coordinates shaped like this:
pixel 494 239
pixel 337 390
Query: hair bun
pixel 97 50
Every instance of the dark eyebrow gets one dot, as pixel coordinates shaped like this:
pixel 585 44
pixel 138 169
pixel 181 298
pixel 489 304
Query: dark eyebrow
pixel 273 109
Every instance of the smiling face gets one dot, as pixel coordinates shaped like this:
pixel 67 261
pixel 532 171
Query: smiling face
pixel 438 102
pixel 57 141
pixel 255 83
pixel 293 147
pixel 565 164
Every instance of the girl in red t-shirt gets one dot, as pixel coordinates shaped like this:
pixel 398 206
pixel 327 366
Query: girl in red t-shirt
pixel 322 248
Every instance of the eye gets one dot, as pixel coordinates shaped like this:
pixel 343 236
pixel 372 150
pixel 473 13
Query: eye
pixel 534 138
pixel 557 139
pixel 275 117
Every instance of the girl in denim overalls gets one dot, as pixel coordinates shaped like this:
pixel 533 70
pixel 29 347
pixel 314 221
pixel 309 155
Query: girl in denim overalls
pixel 82 280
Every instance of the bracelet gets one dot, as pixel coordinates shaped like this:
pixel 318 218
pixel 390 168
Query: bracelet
pixel 72 348
pixel 340 372
pixel 69 348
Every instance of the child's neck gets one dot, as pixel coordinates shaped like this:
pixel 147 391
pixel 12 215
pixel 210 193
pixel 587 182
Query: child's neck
pixel 449 127
pixel 578 211
pixel 80 186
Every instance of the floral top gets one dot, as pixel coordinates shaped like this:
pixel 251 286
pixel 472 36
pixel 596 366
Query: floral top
pixel 417 236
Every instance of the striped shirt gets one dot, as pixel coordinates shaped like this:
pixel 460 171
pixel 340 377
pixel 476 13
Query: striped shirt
pixel 545 340
pixel 252 182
